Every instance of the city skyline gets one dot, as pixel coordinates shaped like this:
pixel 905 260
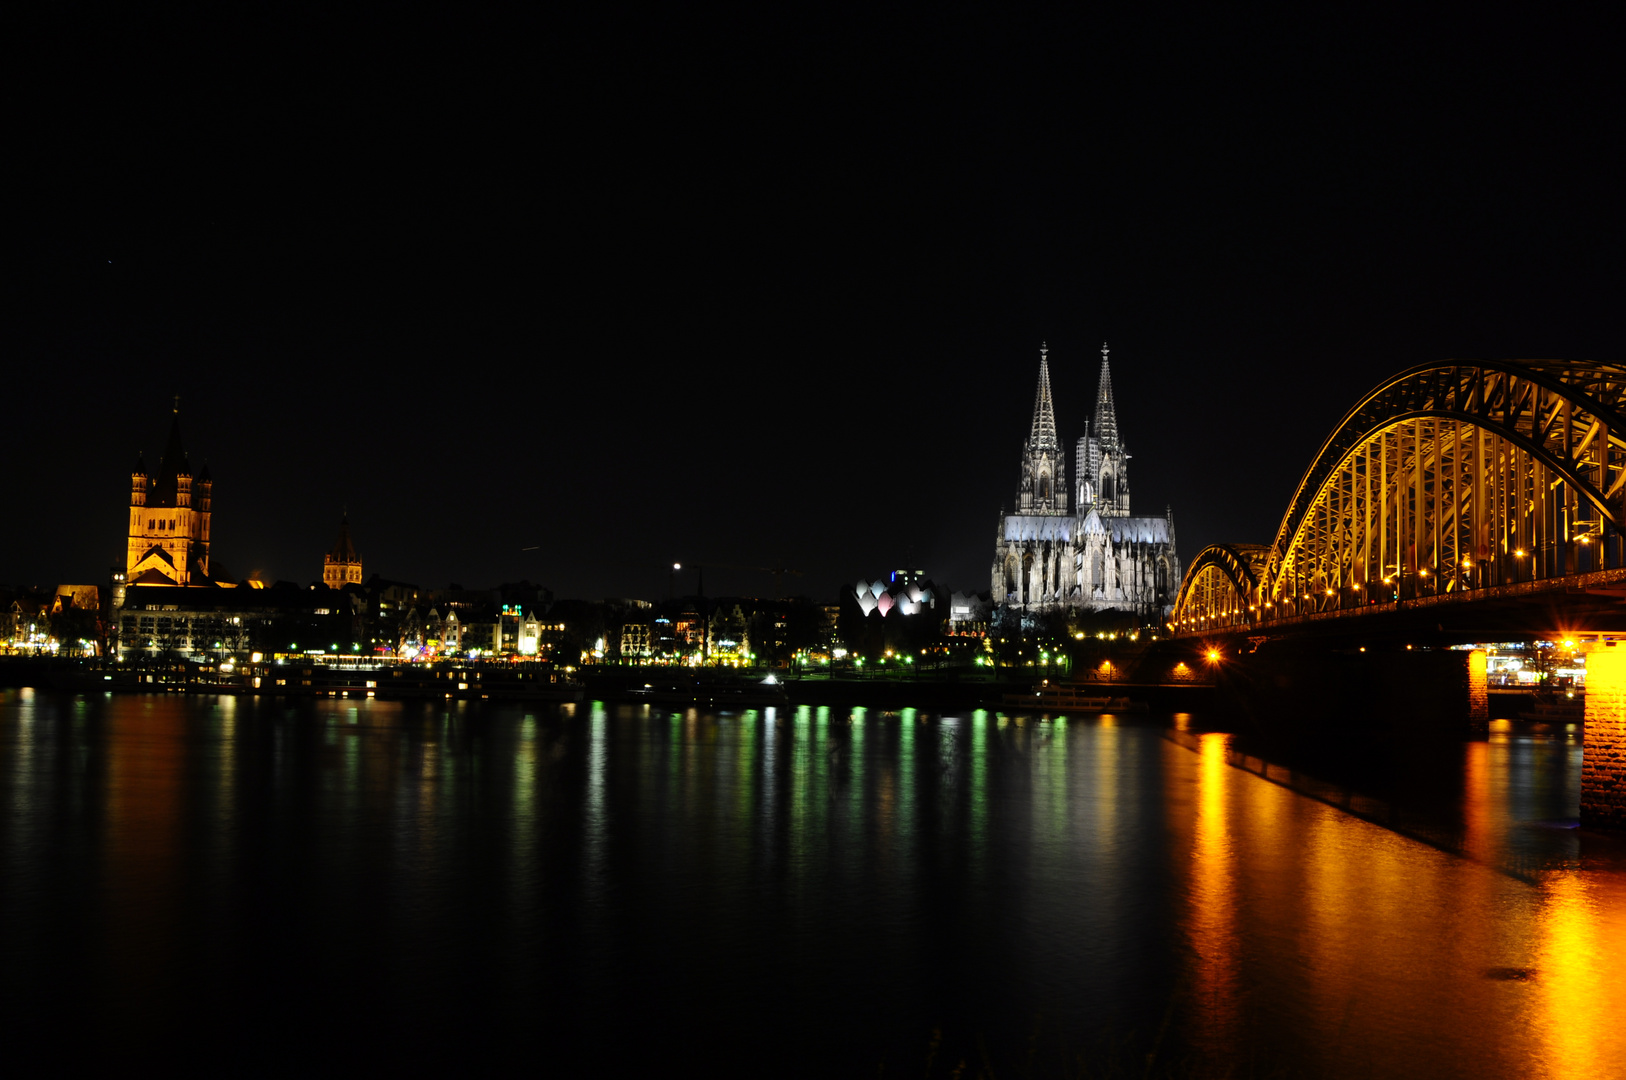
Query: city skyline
pixel 792 327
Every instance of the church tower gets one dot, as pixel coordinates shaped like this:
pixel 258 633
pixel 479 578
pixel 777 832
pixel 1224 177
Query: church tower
pixel 168 541
pixel 1044 467
pixel 1103 463
pixel 342 566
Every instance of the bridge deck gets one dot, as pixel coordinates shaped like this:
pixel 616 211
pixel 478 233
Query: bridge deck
pixel 1580 603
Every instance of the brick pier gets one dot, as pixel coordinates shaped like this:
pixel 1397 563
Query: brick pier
pixel 1603 761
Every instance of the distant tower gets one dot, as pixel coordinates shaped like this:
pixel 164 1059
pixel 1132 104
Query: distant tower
pixel 168 542
pixel 342 566
pixel 1044 466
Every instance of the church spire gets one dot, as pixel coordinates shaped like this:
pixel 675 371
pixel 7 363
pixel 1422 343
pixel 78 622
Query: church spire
pixel 1106 415
pixel 1043 435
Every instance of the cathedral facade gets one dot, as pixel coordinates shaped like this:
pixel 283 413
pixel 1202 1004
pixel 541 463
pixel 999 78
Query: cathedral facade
pixel 1078 546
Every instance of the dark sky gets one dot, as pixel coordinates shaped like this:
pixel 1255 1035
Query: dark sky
pixel 761 290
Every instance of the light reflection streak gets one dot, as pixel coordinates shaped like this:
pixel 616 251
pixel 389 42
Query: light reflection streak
pixel 1211 920
pixel 595 821
pixel 1582 944
pixel 978 856
pixel 142 853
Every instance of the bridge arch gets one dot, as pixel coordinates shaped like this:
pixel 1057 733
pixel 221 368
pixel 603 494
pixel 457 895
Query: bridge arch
pixel 1222 587
pixel 1446 477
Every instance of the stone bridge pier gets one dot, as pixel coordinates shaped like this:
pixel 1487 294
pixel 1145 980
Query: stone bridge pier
pixel 1603 759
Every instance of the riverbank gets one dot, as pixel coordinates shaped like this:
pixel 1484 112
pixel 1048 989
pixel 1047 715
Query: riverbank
pixel 944 689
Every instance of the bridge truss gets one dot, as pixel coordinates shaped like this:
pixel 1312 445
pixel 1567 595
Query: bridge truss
pixel 1445 479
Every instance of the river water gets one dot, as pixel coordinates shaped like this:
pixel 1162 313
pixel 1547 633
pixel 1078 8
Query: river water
pixel 253 886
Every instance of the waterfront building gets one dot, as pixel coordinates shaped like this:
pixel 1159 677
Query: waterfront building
pixel 635 639
pixel 342 565
pixel 1078 547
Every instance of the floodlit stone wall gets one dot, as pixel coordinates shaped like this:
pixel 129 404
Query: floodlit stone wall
pixel 1603 761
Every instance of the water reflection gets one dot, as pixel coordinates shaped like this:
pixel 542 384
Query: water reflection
pixel 1581 945
pixel 1211 919
pixel 648 884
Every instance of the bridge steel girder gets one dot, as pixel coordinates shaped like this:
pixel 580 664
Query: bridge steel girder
pixel 1448 477
pixel 1222 587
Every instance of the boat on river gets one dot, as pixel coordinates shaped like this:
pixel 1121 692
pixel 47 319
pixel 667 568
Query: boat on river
pixel 1568 708
pixel 711 691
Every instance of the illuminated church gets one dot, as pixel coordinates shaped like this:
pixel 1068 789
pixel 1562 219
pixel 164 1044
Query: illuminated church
pixel 342 566
pixel 1095 556
pixel 169 519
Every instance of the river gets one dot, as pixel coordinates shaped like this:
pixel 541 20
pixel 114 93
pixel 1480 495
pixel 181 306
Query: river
pixel 256 886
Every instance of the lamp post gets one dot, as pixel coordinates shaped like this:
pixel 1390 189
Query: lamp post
pixel 671 581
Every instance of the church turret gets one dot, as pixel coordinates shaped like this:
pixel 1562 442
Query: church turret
pixel 342 565
pixel 1044 466
pixel 138 482
pixel 205 489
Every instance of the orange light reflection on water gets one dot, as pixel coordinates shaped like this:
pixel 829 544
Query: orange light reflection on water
pixel 1211 922
pixel 1582 947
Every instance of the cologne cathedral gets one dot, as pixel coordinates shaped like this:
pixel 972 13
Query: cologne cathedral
pixel 1095 556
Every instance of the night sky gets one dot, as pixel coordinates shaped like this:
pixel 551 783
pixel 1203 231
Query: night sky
pixel 760 290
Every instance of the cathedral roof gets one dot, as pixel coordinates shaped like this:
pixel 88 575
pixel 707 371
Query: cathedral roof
pixel 1038 527
pixel 1106 414
pixel 167 481
pixel 344 551
pixel 1140 530
pixel 1043 435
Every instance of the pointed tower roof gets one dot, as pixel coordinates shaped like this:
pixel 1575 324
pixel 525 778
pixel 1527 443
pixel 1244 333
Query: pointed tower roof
pixel 1106 414
pixel 1043 435
pixel 165 482
pixel 344 551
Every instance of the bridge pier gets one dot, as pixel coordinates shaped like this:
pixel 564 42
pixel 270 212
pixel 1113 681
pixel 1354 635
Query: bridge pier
pixel 1435 693
pixel 1603 760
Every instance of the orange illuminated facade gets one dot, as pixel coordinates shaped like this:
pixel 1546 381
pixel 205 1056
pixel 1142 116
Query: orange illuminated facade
pixel 342 565
pixel 169 520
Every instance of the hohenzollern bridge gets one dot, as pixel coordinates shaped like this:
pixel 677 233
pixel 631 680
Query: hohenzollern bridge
pixel 1455 502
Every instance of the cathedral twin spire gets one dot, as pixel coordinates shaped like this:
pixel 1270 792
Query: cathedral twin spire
pixel 1102 459
pixel 1043 435
pixel 1106 415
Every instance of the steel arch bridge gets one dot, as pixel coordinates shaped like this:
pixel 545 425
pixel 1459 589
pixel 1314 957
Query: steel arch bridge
pixel 1446 480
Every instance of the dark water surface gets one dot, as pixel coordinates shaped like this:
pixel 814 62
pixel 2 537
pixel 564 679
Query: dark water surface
pixel 241 885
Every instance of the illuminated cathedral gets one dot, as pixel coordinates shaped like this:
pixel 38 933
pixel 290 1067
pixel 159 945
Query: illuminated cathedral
pixel 169 519
pixel 1095 556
